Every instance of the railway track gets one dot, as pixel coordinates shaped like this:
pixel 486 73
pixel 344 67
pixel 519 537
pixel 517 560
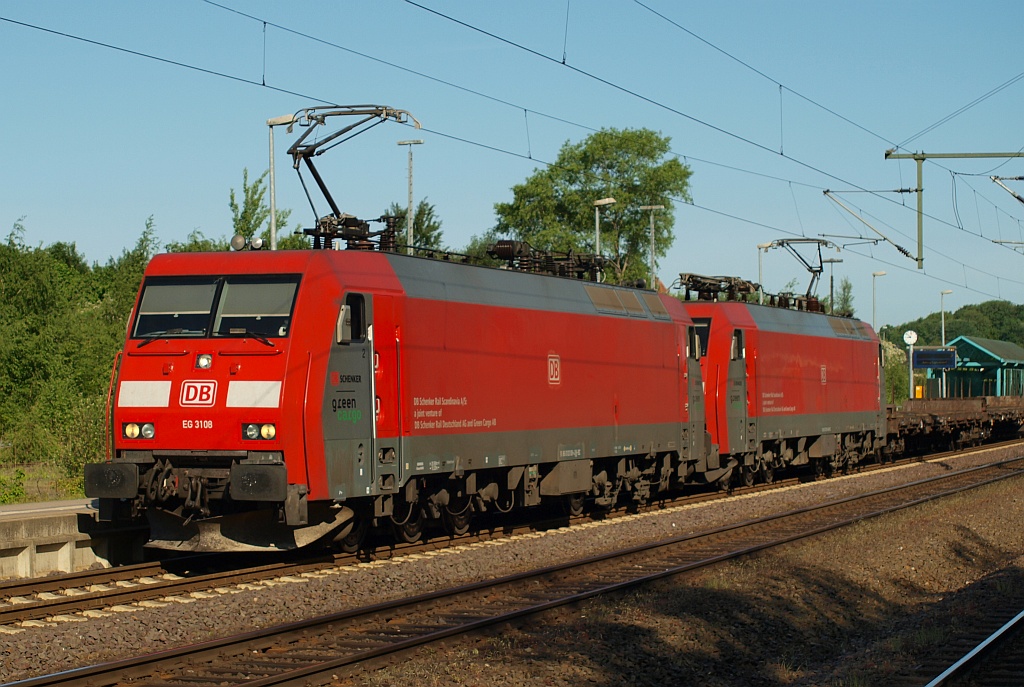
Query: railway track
pixel 322 649
pixel 178 579
pixel 74 593
pixel 996 660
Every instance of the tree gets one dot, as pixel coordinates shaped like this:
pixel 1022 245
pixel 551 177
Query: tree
pixel 894 362
pixel 63 322
pixel 477 248
pixel 999 320
pixel 553 209
pixel 197 242
pixel 844 299
pixel 426 227
pixel 247 219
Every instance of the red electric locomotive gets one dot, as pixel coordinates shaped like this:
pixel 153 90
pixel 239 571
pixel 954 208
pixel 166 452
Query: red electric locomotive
pixel 272 399
pixel 786 386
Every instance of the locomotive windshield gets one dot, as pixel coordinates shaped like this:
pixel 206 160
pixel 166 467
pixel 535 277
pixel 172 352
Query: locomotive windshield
pixel 216 306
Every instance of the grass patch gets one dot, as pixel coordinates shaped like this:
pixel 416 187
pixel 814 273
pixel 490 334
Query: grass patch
pixel 35 482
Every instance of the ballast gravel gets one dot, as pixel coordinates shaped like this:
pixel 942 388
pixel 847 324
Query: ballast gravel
pixel 838 609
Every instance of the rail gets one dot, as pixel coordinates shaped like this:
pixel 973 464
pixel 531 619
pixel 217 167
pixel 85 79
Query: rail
pixel 322 649
pixel 975 657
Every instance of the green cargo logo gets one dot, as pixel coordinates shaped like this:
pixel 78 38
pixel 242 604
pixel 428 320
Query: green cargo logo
pixel 352 415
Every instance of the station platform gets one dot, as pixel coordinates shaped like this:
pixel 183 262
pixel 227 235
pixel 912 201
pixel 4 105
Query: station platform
pixel 37 539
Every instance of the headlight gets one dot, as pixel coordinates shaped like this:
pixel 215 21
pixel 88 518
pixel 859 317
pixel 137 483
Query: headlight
pixel 255 431
pixel 204 361
pixel 133 430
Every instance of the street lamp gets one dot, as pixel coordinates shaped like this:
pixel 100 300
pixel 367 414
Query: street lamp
pixel 942 311
pixel 409 216
pixel 652 208
pixel 283 120
pixel 597 223
pixel 873 280
pixel 598 204
pixel 831 284
pixel 761 248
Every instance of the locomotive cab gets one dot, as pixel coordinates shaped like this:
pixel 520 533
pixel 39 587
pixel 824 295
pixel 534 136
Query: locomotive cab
pixel 204 437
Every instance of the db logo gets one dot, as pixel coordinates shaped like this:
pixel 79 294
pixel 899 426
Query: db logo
pixel 554 369
pixel 198 393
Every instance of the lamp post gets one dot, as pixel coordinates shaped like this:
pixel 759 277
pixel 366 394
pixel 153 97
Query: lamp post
pixel 652 208
pixel 831 284
pixel 598 204
pixel 874 276
pixel 597 223
pixel 271 123
pixel 761 248
pixel 942 311
pixel 409 216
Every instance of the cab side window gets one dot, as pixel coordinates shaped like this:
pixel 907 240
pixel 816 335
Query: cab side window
pixel 351 320
pixel 702 329
pixel 738 352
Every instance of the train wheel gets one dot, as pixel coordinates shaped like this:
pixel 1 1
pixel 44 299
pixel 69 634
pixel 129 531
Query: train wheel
pixel 747 474
pixel 410 530
pixel 457 524
pixel 353 541
pixel 767 473
pixel 574 504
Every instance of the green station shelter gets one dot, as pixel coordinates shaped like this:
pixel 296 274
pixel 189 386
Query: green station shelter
pixel 985 367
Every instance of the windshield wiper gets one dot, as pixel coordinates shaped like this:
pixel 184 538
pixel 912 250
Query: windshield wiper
pixel 150 337
pixel 248 332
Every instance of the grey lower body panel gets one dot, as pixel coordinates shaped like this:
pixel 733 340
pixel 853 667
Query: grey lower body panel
pixel 428 455
pixel 785 427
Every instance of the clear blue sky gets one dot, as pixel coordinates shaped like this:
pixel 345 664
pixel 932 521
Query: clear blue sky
pixel 770 103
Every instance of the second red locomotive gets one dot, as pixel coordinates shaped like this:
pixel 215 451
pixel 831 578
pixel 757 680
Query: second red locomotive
pixel 786 386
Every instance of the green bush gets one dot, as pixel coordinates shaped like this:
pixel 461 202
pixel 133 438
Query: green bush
pixel 12 489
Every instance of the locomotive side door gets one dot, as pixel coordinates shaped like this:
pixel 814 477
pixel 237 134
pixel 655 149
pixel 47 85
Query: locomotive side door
pixel 696 448
pixel 736 393
pixel 349 420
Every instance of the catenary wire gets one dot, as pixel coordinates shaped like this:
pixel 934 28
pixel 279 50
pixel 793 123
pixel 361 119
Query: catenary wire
pixel 554 117
pixel 662 105
pixel 314 98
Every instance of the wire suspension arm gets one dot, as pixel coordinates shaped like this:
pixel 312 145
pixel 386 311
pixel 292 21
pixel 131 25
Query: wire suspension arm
pixel 999 180
pixel 901 249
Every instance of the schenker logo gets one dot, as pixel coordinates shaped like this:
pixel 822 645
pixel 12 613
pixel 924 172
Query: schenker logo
pixel 198 393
